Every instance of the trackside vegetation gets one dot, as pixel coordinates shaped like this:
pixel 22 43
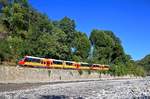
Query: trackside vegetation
pixel 145 62
pixel 25 31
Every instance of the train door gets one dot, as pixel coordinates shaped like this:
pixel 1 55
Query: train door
pixel 49 64
pixel 77 66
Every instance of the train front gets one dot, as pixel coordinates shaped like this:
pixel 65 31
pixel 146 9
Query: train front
pixel 22 62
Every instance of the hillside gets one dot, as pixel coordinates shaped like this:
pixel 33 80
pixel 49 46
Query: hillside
pixel 145 62
pixel 25 31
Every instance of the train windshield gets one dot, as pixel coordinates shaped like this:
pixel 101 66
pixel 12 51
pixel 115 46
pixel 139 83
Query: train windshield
pixel 32 60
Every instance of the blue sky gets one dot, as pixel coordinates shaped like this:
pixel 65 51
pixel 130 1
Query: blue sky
pixel 128 19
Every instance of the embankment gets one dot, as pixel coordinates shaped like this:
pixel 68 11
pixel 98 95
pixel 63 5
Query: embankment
pixel 10 74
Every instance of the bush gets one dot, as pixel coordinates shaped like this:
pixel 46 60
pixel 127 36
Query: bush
pixel 130 68
pixel 49 73
pixel 80 72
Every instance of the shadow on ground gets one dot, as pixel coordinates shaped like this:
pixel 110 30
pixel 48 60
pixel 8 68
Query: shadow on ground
pixel 59 97
pixel 142 97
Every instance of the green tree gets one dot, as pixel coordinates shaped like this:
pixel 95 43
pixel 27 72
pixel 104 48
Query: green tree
pixel 5 52
pixel 145 63
pixel 107 47
pixel 68 26
pixel 81 47
pixel 16 46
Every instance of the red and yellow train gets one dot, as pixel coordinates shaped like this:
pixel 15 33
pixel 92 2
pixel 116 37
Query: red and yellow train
pixel 59 64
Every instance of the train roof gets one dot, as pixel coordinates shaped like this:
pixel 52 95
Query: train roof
pixel 70 61
pixel 34 57
pixel 83 63
pixel 57 60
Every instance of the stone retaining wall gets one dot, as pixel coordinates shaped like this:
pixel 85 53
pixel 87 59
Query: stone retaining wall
pixel 9 74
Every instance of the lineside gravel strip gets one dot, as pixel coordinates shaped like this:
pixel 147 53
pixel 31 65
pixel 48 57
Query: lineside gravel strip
pixel 106 89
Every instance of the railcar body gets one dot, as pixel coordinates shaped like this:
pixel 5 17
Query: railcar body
pixel 59 64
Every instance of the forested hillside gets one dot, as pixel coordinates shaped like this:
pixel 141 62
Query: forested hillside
pixel 145 62
pixel 25 31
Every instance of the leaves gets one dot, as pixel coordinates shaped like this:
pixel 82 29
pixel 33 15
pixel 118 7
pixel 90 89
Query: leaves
pixel 145 63
pixel 25 31
pixel 107 47
pixel 81 46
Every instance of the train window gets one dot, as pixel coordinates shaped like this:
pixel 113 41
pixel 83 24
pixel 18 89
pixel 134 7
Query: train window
pixel 69 63
pixel 57 62
pixel 28 60
pixel 43 62
pixel 36 60
pixel 106 67
pixel 32 60
pixel 86 65
pixel 95 65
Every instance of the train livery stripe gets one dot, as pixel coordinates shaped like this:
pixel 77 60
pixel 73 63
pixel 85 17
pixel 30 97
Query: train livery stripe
pixel 53 63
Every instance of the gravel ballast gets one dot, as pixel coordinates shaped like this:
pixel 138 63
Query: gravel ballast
pixel 106 89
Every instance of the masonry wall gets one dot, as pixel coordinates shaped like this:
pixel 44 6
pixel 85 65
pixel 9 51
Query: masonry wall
pixel 9 74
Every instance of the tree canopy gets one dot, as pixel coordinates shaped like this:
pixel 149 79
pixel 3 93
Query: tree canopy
pixel 25 31
pixel 107 47
pixel 145 63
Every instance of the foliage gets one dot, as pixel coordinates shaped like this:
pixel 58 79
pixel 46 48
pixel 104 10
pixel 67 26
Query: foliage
pixel 129 69
pixel 80 72
pixel 108 50
pixel 107 47
pixel 25 31
pixel 49 73
pixel 145 63
pixel 81 47
pixel 5 53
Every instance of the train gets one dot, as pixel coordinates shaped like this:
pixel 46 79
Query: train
pixel 31 61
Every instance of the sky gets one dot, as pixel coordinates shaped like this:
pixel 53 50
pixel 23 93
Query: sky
pixel 128 19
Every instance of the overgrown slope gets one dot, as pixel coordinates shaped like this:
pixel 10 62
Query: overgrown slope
pixel 25 31
pixel 145 62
